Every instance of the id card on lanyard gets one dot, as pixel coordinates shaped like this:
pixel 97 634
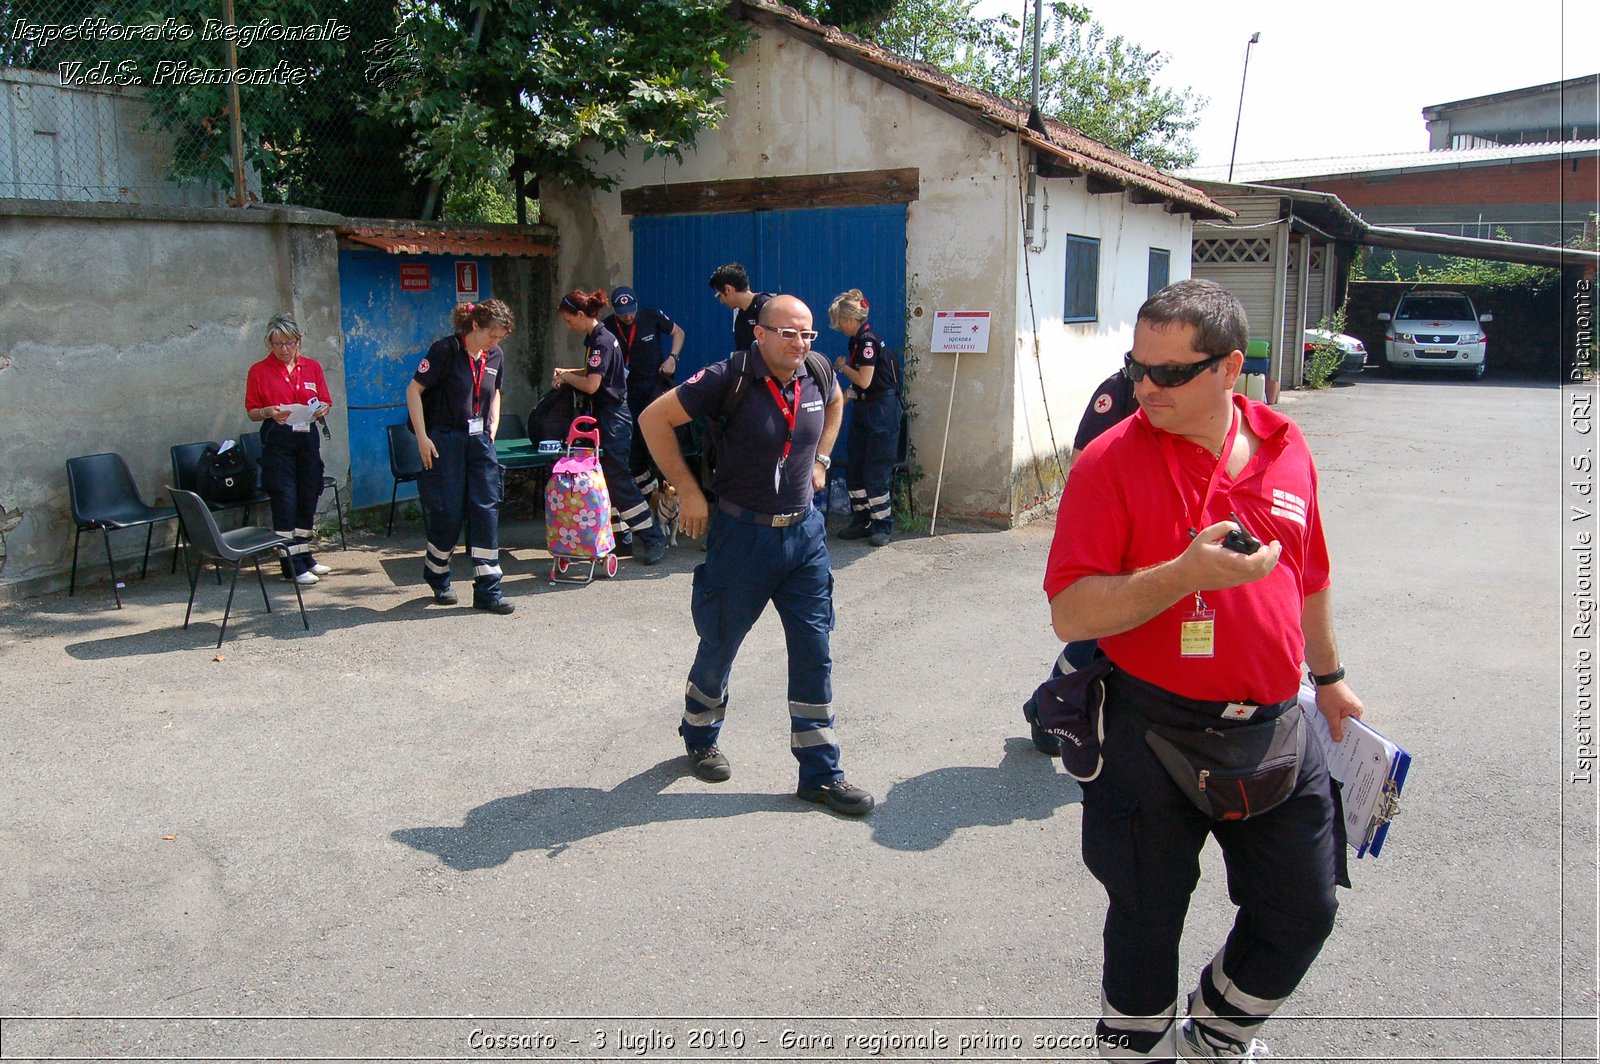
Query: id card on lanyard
pixel 1197 627
pixel 789 415
pixel 475 422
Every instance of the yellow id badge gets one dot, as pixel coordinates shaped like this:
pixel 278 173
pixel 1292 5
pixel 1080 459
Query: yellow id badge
pixel 1197 636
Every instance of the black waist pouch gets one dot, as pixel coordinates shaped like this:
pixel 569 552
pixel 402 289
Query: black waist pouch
pixel 1237 772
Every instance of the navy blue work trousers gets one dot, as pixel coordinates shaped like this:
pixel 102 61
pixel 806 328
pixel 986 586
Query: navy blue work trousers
pixel 748 565
pixel 629 511
pixel 465 486
pixel 874 439
pixel 1142 839
pixel 291 475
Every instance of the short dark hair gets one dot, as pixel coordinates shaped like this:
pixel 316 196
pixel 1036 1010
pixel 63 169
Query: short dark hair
pixel 730 273
pixel 1216 314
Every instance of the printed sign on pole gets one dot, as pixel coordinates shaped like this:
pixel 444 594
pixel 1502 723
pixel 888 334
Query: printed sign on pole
pixel 414 277
pixel 960 331
pixel 466 282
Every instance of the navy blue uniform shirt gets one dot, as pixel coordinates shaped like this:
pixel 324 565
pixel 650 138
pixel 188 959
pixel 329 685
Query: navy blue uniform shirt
pixel 1112 402
pixel 867 350
pixel 446 375
pixel 753 443
pixel 745 322
pixel 603 358
pixel 644 347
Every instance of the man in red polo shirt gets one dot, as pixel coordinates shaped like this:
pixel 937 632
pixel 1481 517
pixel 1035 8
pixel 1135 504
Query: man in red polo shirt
pixel 1200 632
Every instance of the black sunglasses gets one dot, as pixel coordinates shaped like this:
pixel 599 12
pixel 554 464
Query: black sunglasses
pixel 1167 376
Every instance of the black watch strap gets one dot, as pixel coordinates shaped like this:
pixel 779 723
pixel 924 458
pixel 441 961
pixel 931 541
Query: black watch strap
pixel 1328 677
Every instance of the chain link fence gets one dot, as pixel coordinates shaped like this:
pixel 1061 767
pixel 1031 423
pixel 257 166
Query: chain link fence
pixel 117 101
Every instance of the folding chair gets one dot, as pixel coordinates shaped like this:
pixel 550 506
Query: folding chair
pixel 237 546
pixel 104 496
pixel 404 462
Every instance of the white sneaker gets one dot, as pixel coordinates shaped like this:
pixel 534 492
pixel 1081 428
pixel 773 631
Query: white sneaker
pixel 306 579
pixel 1199 1043
pixel 320 570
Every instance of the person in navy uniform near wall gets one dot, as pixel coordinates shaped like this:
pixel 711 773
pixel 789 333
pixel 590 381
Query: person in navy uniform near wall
pixel 641 333
pixel 766 542
pixel 454 405
pixel 874 420
pixel 731 284
pixel 603 378
pixel 291 457
pixel 1200 639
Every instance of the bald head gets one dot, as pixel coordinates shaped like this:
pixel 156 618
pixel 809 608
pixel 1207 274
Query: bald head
pixel 782 353
pixel 782 307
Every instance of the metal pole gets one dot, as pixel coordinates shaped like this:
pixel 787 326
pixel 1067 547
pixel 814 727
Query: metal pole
pixel 1255 38
pixel 233 107
pixel 938 485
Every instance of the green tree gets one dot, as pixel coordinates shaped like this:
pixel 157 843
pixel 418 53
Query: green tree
pixel 1103 86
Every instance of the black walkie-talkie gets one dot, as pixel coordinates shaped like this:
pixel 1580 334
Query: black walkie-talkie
pixel 1239 539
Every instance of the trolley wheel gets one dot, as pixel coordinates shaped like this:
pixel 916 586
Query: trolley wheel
pixel 611 565
pixel 553 571
pixel 562 564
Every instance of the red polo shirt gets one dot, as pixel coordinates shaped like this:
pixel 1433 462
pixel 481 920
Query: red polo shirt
pixel 271 383
pixel 1125 511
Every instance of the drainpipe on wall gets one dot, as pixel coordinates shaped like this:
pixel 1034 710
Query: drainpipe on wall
pixel 1033 161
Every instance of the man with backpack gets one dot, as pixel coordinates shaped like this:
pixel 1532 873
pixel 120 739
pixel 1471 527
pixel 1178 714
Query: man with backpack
pixel 766 542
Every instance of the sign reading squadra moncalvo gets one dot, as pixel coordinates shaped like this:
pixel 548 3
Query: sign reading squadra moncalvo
pixel 960 332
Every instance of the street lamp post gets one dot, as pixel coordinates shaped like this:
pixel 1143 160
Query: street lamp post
pixel 1255 38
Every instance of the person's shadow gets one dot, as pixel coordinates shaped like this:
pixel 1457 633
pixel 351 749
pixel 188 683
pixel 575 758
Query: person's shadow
pixel 920 813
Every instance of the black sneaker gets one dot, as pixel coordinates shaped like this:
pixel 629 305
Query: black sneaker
pixel 854 531
pixel 1043 741
pixel 445 596
pixel 624 548
pixel 500 606
pixel 651 552
pixel 879 539
pixel 839 796
pixel 710 764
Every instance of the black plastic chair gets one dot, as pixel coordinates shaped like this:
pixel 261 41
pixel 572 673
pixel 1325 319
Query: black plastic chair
pixel 104 496
pixel 404 462
pixel 236 546
pixel 251 441
pixel 511 427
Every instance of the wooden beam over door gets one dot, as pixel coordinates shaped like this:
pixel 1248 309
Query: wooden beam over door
pixel 862 188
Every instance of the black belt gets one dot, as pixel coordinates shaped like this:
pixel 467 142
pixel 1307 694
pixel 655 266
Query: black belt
pixel 1165 707
pixel 772 520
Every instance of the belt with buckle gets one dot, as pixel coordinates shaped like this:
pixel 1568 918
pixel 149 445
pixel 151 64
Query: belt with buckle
pixel 773 520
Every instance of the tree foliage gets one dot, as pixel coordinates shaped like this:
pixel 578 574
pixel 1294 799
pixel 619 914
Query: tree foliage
pixel 1102 85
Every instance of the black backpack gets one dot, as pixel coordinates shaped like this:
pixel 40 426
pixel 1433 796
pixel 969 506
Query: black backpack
pixel 717 424
pixel 225 476
pixel 552 415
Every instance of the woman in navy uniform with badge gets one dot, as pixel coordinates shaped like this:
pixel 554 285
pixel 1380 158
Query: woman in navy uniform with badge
pixel 874 420
pixel 641 333
pixel 604 378
pixel 454 405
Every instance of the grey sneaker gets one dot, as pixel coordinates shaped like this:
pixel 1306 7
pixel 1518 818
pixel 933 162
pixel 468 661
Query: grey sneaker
pixel 710 764
pixel 839 796
pixel 1197 1042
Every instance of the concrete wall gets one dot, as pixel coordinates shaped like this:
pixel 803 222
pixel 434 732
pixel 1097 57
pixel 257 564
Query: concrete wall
pixel 796 111
pixel 1059 363
pixel 130 329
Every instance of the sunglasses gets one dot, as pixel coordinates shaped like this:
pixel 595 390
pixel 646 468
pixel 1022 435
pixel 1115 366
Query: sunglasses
pixel 791 335
pixel 1167 376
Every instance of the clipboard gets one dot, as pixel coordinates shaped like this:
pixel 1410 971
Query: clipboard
pixel 1371 770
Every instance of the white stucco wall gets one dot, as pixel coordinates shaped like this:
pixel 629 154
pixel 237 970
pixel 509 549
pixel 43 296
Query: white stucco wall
pixel 1056 374
pixel 796 111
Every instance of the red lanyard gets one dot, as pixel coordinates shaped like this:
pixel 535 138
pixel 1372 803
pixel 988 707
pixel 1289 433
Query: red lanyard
pixel 478 365
pixel 627 354
pixel 291 377
pixel 789 412
pixel 1197 516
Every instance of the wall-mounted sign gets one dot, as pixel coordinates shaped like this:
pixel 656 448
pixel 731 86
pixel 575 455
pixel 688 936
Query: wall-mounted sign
pixel 414 277
pixel 960 331
pixel 466 282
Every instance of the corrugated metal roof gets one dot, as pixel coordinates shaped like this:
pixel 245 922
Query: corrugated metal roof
pixel 421 238
pixel 1302 169
pixel 1072 149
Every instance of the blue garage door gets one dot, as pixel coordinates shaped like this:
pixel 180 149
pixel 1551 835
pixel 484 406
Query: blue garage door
pixel 394 307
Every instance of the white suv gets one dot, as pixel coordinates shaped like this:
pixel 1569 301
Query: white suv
pixel 1440 329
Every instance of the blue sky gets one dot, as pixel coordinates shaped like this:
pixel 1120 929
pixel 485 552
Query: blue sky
pixel 1349 78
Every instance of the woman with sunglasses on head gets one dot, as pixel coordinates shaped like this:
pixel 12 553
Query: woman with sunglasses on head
pixel 291 455
pixel 874 420
pixel 604 378
pixel 454 405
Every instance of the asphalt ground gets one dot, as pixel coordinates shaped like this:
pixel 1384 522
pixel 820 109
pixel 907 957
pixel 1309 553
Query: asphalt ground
pixel 434 833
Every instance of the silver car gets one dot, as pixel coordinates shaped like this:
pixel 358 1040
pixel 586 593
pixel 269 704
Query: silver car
pixel 1353 350
pixel 1440 329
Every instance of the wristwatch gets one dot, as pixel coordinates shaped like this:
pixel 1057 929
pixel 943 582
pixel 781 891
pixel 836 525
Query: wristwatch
pixel 824 461
pixel 1328 678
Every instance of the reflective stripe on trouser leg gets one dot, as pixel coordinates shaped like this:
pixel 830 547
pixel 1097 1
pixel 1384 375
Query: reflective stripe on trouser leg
pixel 1221 1006
pixel 1119 1036
pixel 702 717
pixel 616 438
pixel 858 505
pixel 442 492
pixel 646 483
pixel 803 598
pixel 874 434
pixel 880 508
pixel 485 486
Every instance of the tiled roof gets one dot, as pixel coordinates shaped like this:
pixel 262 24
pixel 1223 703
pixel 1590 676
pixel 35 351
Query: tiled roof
pixel 1070 148
pixel 1298 169
pixel 432 238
